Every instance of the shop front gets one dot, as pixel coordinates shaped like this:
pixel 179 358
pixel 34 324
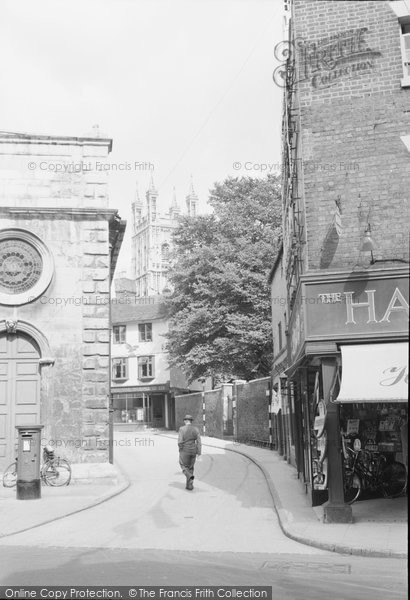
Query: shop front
pixel 144 406
pixel 138 405
pixel 348 377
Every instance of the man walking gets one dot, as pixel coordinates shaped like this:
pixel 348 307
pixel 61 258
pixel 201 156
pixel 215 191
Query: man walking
pixel 189 444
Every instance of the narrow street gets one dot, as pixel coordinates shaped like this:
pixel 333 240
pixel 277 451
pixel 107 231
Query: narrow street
pixel 223 532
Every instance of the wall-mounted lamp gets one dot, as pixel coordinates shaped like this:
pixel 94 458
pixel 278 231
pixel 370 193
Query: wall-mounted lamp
pixel 367 243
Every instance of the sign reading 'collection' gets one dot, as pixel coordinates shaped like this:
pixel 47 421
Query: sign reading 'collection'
pixel 325 61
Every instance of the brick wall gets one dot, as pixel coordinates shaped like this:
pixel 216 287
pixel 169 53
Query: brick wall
pixel 190 404
pixel 350 126
pixel 252 411
pixel 214 413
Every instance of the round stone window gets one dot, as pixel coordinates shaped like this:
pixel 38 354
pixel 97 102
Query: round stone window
pixel 26 267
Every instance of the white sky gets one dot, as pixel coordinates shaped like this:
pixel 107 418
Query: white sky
pixel 183 84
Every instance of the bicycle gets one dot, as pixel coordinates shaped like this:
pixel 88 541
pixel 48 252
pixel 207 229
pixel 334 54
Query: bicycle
pixel 364 470
pixel 54 471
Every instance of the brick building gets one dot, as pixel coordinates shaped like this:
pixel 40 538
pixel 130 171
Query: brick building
pixel 59 244
pixel 346 182
pixel 283 437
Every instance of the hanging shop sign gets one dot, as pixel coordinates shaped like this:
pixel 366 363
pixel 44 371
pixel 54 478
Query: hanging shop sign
pixel 296 330
pixel 320 419
pixel 276 402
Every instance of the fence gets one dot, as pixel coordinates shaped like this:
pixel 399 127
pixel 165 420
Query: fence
pixel 217 415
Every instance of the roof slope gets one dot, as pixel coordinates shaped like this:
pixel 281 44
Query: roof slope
pixel 129 311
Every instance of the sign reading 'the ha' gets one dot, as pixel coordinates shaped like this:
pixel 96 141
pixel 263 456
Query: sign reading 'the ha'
pixel 354 308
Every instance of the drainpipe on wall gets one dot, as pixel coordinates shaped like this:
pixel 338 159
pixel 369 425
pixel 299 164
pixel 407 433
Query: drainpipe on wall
pixel 110 398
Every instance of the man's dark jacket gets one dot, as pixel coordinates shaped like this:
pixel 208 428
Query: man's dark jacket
pixel 189 440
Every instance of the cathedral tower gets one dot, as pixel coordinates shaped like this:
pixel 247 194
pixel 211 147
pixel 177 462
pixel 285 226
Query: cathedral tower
pixel 152 239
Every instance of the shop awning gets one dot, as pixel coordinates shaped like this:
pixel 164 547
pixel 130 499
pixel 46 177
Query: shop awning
pixel 374 373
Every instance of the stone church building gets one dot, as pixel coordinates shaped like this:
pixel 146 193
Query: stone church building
pixel 152 239
pixel 59 244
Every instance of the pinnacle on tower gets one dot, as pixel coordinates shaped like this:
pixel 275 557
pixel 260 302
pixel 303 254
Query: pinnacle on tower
pixel 174 210
pixel 151 195
pixel 136 207
pixel 137 199
pixel 152 187
pixel 191 200
pixel 191 188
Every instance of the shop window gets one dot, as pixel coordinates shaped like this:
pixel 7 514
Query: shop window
pixel 377 426
pixel 119 332
pixel 145 367
pixel 119 368
pixel 145 332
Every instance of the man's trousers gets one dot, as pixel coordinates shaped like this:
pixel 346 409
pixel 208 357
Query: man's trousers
pixel 187 462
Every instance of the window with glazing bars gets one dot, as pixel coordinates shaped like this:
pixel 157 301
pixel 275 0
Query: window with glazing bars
pixel 145 332
pixel 119 332
pixel 119 368
pixel 145 367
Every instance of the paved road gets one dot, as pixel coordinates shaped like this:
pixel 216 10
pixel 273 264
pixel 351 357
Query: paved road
pixel 156 532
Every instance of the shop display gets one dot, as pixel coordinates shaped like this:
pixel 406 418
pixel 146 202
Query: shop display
pixel 372 440
pixel 378 428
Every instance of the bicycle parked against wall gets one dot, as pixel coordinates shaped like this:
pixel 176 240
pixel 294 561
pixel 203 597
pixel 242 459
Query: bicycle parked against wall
pixel 55 471
pixel 365 470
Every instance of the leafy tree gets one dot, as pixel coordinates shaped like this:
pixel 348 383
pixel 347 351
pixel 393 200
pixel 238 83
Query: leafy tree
pixel 220 315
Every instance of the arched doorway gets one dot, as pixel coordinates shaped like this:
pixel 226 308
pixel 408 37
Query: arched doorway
pixel 19 388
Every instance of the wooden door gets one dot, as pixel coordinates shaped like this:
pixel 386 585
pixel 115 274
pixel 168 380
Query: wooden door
pixel 19 389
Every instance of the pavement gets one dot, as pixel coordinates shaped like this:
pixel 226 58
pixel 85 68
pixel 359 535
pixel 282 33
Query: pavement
pixel 379 528
pixel 91 484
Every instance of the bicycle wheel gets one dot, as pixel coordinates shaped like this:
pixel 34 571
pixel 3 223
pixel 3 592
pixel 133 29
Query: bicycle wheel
pixel 57 472
pixel 352 487
pixel 10 475
pixel 394 480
